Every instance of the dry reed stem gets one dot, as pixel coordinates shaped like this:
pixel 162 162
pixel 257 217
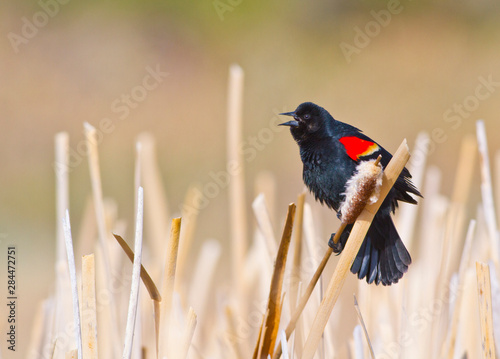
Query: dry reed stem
pixel 407 214
pixel 237 203
pixel 307 294
pixel 495 307
pixel 449 344
pixel 485 311
pixel 258 267
pixel 72 354
pixel 74 283
pixel 487 190
pixel 353 244
pixel 298 337
pixel 365 331
pixel 182 347
pixel 311 242
pixel 297 253
pixel 439 325
pixel 95 179
pixel 265 182
pixel 426 264
pixel 265 225
pixel 258 347
pixel 62 190
pixel 88 229
pixel 201 283
pixel 104 316
pixel 355 346
pixel 284 347
pixel 137 173
pixel 54 346
pixel 274 304
pixel 150 286
pixel 497 182
pixel 465 170
pixel 469 334
pixel 304 299
pixel 153 291
pixel 156 319
pixel 51 329
pixel 352 212
pixel 136 278
pixel 167 289
pixel 157 212
pixel 461 191
pixel 231 335
pixel 89 319
pixel 309 231
pixel 294 286
pixel 189 219
pixel 63 314
pixel 140 321
pixel 201 286
pixel 260 339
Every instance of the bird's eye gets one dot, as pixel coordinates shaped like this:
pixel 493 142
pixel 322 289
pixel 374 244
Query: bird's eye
pixel 307 116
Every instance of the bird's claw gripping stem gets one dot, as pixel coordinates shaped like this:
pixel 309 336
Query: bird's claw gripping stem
pixel 336 236
pixel 335 244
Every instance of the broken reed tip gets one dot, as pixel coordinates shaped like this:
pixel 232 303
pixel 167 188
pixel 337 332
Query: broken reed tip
pixel 88 127
pixel 362 188
pixel 236 69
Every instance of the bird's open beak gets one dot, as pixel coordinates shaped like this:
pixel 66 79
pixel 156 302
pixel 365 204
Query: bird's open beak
pixel 293 123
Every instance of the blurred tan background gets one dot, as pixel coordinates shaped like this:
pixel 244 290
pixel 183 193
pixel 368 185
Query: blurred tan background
pixel 392 69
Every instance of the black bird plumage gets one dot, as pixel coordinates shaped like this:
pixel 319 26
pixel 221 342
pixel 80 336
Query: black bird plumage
pixel 330 151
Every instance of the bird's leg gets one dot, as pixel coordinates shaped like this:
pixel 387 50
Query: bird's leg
pixel 336 247
pixel 337 240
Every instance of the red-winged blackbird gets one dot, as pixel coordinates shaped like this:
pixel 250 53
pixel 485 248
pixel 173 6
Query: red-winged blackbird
pixel 330 151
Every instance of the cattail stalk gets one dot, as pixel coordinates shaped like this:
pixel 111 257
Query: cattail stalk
pixel 74 284
pixel 136 278
pixel 237 207
pixel 89 317
pixel 270 325
pixel 485 310
pixel 362 188
pixel 356 238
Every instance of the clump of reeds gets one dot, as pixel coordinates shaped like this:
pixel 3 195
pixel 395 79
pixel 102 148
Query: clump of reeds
pixel 447 305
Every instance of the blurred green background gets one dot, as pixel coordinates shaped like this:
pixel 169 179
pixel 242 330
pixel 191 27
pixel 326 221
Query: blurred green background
pixel 391 68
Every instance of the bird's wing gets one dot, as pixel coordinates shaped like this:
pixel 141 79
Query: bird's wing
pixel 361 147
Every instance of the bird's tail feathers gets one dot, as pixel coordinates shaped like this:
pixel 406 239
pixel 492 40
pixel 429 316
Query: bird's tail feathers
pixel 382 258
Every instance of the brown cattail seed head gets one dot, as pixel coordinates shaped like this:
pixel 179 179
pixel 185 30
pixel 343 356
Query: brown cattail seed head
pixel 361 189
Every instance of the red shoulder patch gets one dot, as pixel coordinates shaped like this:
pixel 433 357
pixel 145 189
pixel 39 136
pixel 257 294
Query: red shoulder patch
pixel 356 147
